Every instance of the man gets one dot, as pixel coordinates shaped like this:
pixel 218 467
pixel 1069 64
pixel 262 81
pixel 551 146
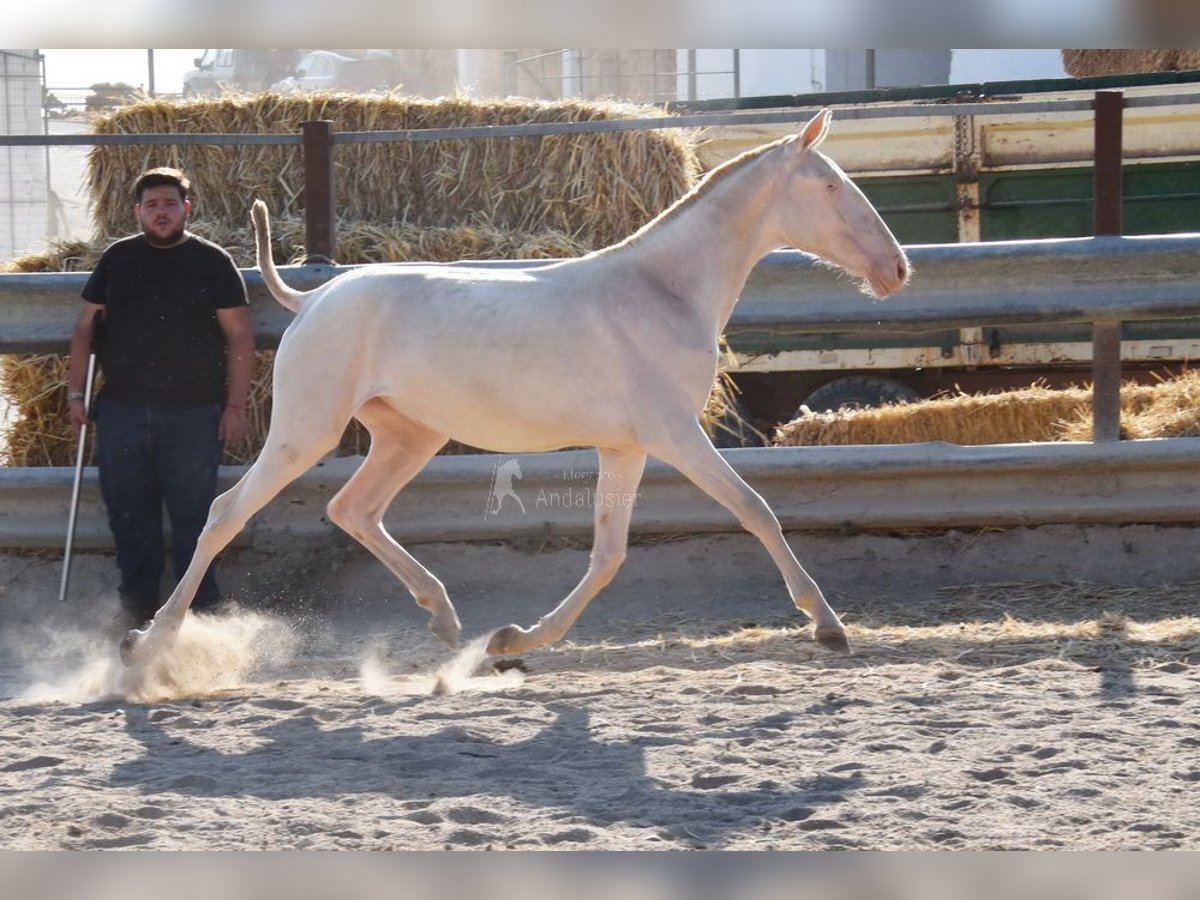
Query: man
pixel 177 357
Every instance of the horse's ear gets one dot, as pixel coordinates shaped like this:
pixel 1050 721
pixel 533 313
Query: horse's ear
pixel 814 132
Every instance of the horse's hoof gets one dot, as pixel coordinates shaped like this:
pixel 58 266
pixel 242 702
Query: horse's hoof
pixel 506 640
pixel 833 639
pixel 501 666
pixel 131 646
pixel 446 629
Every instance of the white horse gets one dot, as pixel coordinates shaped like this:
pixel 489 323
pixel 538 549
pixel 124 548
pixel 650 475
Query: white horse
pixel 617 349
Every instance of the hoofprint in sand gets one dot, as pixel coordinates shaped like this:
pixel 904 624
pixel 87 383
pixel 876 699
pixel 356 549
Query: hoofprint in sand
pixel 1006 716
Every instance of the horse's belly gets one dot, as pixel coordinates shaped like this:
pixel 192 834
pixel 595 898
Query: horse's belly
pixel 515 423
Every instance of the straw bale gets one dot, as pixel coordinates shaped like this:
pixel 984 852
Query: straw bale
pixel 1089 63
pixel 64 256
pixel 1037 413
pixel 40 434
pixel 1170 408
pixel 36 385
pixel 960 418
pixel 368 242
pixel 597 188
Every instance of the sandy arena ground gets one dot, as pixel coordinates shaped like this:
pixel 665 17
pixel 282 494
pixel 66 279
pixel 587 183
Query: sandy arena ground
pixel 1000 715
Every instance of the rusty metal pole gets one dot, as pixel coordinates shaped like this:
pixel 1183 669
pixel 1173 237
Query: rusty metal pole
pixel 320 228
pixel 1106 220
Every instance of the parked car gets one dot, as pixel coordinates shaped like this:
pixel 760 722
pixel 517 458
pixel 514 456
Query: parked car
pixel 247 70
pixel 214 68
pixel 327 70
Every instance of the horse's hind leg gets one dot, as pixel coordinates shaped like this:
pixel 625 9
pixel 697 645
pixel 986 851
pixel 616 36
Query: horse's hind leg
pixel 400 448
pixel 285 456
pixel 692 453
pixel 616 490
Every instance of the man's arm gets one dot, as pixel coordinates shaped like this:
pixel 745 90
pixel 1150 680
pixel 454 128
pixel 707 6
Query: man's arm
pixel 239 349
pixel 81 344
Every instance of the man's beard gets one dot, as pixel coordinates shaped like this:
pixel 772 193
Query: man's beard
pixel 169 241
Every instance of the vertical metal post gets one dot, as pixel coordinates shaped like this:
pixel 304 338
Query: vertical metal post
pixel 572 73
pixel 967 162
pixel 320 230
pixel 1106 220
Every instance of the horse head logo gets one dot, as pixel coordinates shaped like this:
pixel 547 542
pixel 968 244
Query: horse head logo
pixel 502 486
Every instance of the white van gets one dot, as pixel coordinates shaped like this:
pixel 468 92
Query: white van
pixel 246 70
pixel 214 69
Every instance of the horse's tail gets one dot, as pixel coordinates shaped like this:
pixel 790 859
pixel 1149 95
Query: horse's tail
pixel 289 297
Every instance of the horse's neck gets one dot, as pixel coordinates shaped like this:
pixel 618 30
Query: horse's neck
pixel 704 251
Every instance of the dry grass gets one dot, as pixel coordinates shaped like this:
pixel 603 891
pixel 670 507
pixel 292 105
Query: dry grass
pixel 1168 409
pixel 365 242
pixel 1037 413
pixel 596 188
pixel 1086 63
pixel 41 434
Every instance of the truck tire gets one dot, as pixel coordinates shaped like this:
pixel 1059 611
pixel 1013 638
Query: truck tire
pixel 857 392
pixel 733 429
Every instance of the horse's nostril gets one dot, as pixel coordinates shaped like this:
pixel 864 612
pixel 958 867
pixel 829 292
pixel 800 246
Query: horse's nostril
pixel 902 269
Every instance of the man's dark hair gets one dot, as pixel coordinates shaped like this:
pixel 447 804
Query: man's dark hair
pixel 163 176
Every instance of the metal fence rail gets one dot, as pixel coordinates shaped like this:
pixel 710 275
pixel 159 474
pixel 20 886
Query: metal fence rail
pixel 820 489
pixel 980 107
pixel 953 286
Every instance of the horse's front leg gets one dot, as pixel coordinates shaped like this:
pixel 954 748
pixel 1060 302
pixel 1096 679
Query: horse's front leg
pixel 690 451
pixel 616 493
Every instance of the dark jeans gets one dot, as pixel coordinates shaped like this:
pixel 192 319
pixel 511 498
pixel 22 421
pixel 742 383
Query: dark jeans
pixel 151 456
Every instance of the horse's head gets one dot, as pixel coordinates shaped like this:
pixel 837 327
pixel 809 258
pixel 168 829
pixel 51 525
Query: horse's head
pixel 825 214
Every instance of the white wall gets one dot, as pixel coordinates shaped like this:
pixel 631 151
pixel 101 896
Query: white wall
pixel 971 66
pixel 763 73
pixel 769 72
pixel 23 182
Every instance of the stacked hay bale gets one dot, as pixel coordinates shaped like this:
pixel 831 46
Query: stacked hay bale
pixel 506 198
pixel 36 385
pixel 1090 63
pixel 595 189
pixel 1168 409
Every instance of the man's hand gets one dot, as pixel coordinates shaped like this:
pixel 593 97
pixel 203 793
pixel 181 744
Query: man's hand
pixel 78 415
pixel 234 428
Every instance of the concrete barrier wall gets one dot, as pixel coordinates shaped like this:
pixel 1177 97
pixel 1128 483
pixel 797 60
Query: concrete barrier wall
pixel 830 489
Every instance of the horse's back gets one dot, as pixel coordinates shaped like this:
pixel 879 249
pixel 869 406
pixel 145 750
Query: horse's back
pixel 411 303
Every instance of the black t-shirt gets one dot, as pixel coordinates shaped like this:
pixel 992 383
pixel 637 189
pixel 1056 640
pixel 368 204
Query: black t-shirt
pixel 162 344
